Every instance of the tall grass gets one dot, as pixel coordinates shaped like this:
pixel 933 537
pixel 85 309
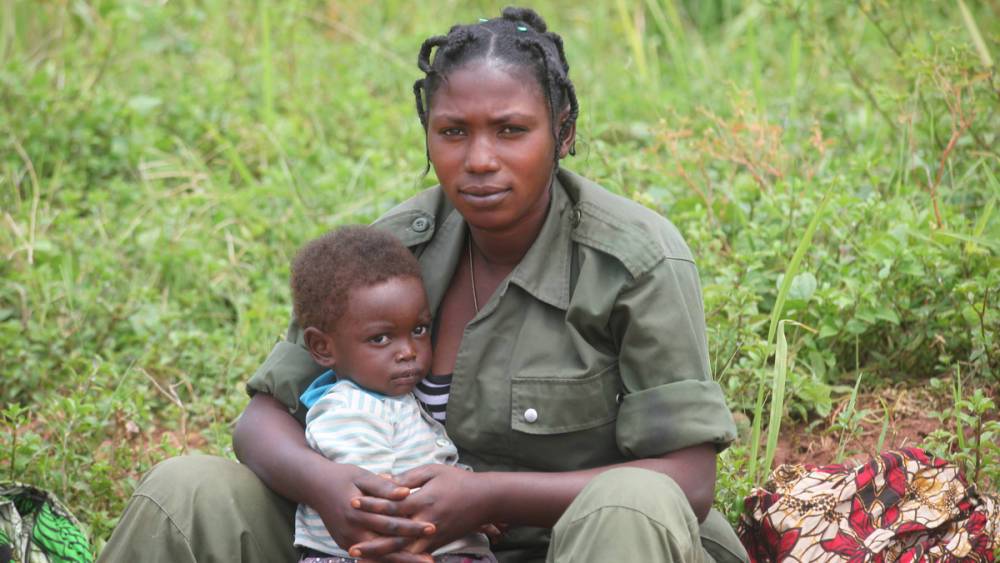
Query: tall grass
pixel 160 162
pixel 776 326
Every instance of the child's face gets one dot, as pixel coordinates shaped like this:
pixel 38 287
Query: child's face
pixel 489 138
pixel 383 340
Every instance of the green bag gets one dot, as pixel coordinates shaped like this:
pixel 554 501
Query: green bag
pixel 36 528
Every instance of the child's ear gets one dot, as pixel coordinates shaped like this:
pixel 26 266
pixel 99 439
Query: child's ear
pixel 321 347
pixel 567 145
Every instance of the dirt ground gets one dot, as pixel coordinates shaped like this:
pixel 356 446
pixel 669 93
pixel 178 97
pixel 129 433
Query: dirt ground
pixel 911 418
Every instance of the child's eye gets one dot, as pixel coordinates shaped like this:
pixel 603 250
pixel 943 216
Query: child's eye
pixel 420 330
pixel 379 339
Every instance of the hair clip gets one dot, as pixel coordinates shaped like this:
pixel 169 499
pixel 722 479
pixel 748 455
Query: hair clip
pixel 522 28
pixel 483 20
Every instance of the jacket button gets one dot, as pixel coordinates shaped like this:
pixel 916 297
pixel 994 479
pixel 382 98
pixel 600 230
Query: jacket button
pixel 420 224
pixel 443 443
pixel 618 398
pixel 576 217
pixel 530 415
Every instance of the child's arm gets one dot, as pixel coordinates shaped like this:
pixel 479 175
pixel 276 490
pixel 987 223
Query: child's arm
pixel 273 445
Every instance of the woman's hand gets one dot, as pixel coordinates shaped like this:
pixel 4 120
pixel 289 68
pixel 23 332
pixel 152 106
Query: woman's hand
pixel 455 501
pixel 338 495
pixel 272 444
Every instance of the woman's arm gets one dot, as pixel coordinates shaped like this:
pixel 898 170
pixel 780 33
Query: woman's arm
pixel 272 444
pixel 539 499
pixel 458 501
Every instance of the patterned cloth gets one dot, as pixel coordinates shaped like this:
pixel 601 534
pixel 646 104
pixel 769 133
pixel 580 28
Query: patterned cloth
pixel 903 506
pixel 432 392
pixel 448 558
pixel 35 527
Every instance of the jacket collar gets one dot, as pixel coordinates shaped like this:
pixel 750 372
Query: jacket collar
pixel 544 272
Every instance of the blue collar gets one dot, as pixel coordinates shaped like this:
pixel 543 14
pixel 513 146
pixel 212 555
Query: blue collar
pixel 326 381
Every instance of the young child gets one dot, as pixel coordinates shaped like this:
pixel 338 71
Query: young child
pixel 358 295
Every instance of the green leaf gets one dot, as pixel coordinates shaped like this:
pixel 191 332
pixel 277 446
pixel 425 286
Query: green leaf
pixel 793 266
pixel 803 286
pixel 777 396
pixel 854 326
pixel 828 330
pixel 885 271
pixel 142 105
pixel 887 314
pixel 44 246
pixel 867 316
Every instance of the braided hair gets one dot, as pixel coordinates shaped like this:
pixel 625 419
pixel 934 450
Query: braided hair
pixel 518 37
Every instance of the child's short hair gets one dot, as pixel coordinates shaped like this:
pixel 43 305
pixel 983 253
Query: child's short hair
pixel 326 269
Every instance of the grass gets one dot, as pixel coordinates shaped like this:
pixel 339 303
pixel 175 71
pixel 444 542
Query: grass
pixel 161 161
pixel 776 326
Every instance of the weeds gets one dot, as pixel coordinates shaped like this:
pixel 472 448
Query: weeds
pixel 970 432
pixel 833 166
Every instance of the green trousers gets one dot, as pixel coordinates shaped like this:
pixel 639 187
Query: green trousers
pixel 209 509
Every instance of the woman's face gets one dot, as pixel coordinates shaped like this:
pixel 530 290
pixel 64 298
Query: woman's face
pixel 490 141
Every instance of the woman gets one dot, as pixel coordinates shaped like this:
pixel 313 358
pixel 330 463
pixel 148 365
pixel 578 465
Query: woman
pixel 569 338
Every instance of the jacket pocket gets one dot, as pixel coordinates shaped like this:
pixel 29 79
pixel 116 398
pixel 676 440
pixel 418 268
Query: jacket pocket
pixel 553 404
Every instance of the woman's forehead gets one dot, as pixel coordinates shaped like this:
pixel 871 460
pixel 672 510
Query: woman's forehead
pixel 489 87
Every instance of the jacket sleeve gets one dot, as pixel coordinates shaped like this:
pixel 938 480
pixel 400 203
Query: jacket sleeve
pixel 670 400
pixel 286 372
pixel 289 368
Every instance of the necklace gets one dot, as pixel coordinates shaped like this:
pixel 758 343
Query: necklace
pixel 472 276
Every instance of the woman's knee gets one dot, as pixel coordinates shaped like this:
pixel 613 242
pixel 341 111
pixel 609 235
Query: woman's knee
pixel 627 514
pixel 208 481
pixel 198 473
pixel 203 508
pixel 653 494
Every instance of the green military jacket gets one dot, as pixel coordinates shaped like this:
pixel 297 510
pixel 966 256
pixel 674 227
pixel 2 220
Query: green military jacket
pixel 592 351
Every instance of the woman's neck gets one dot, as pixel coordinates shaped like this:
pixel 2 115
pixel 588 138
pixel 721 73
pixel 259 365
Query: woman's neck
pixel 505 249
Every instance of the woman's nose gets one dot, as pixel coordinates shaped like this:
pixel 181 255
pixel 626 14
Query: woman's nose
pixel 481 157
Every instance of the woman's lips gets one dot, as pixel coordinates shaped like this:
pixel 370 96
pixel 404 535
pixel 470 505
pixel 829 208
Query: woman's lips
pixel 483 196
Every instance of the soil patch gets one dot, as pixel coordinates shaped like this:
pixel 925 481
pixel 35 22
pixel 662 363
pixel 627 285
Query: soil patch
pixel 898 416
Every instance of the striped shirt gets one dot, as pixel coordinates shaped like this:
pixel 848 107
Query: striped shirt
pixel 432 392
pixel 378 433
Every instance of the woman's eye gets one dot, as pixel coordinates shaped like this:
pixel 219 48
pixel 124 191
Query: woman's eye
pixel 451 132
pixel 420 330
pixel 379 339
pixel 508 130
